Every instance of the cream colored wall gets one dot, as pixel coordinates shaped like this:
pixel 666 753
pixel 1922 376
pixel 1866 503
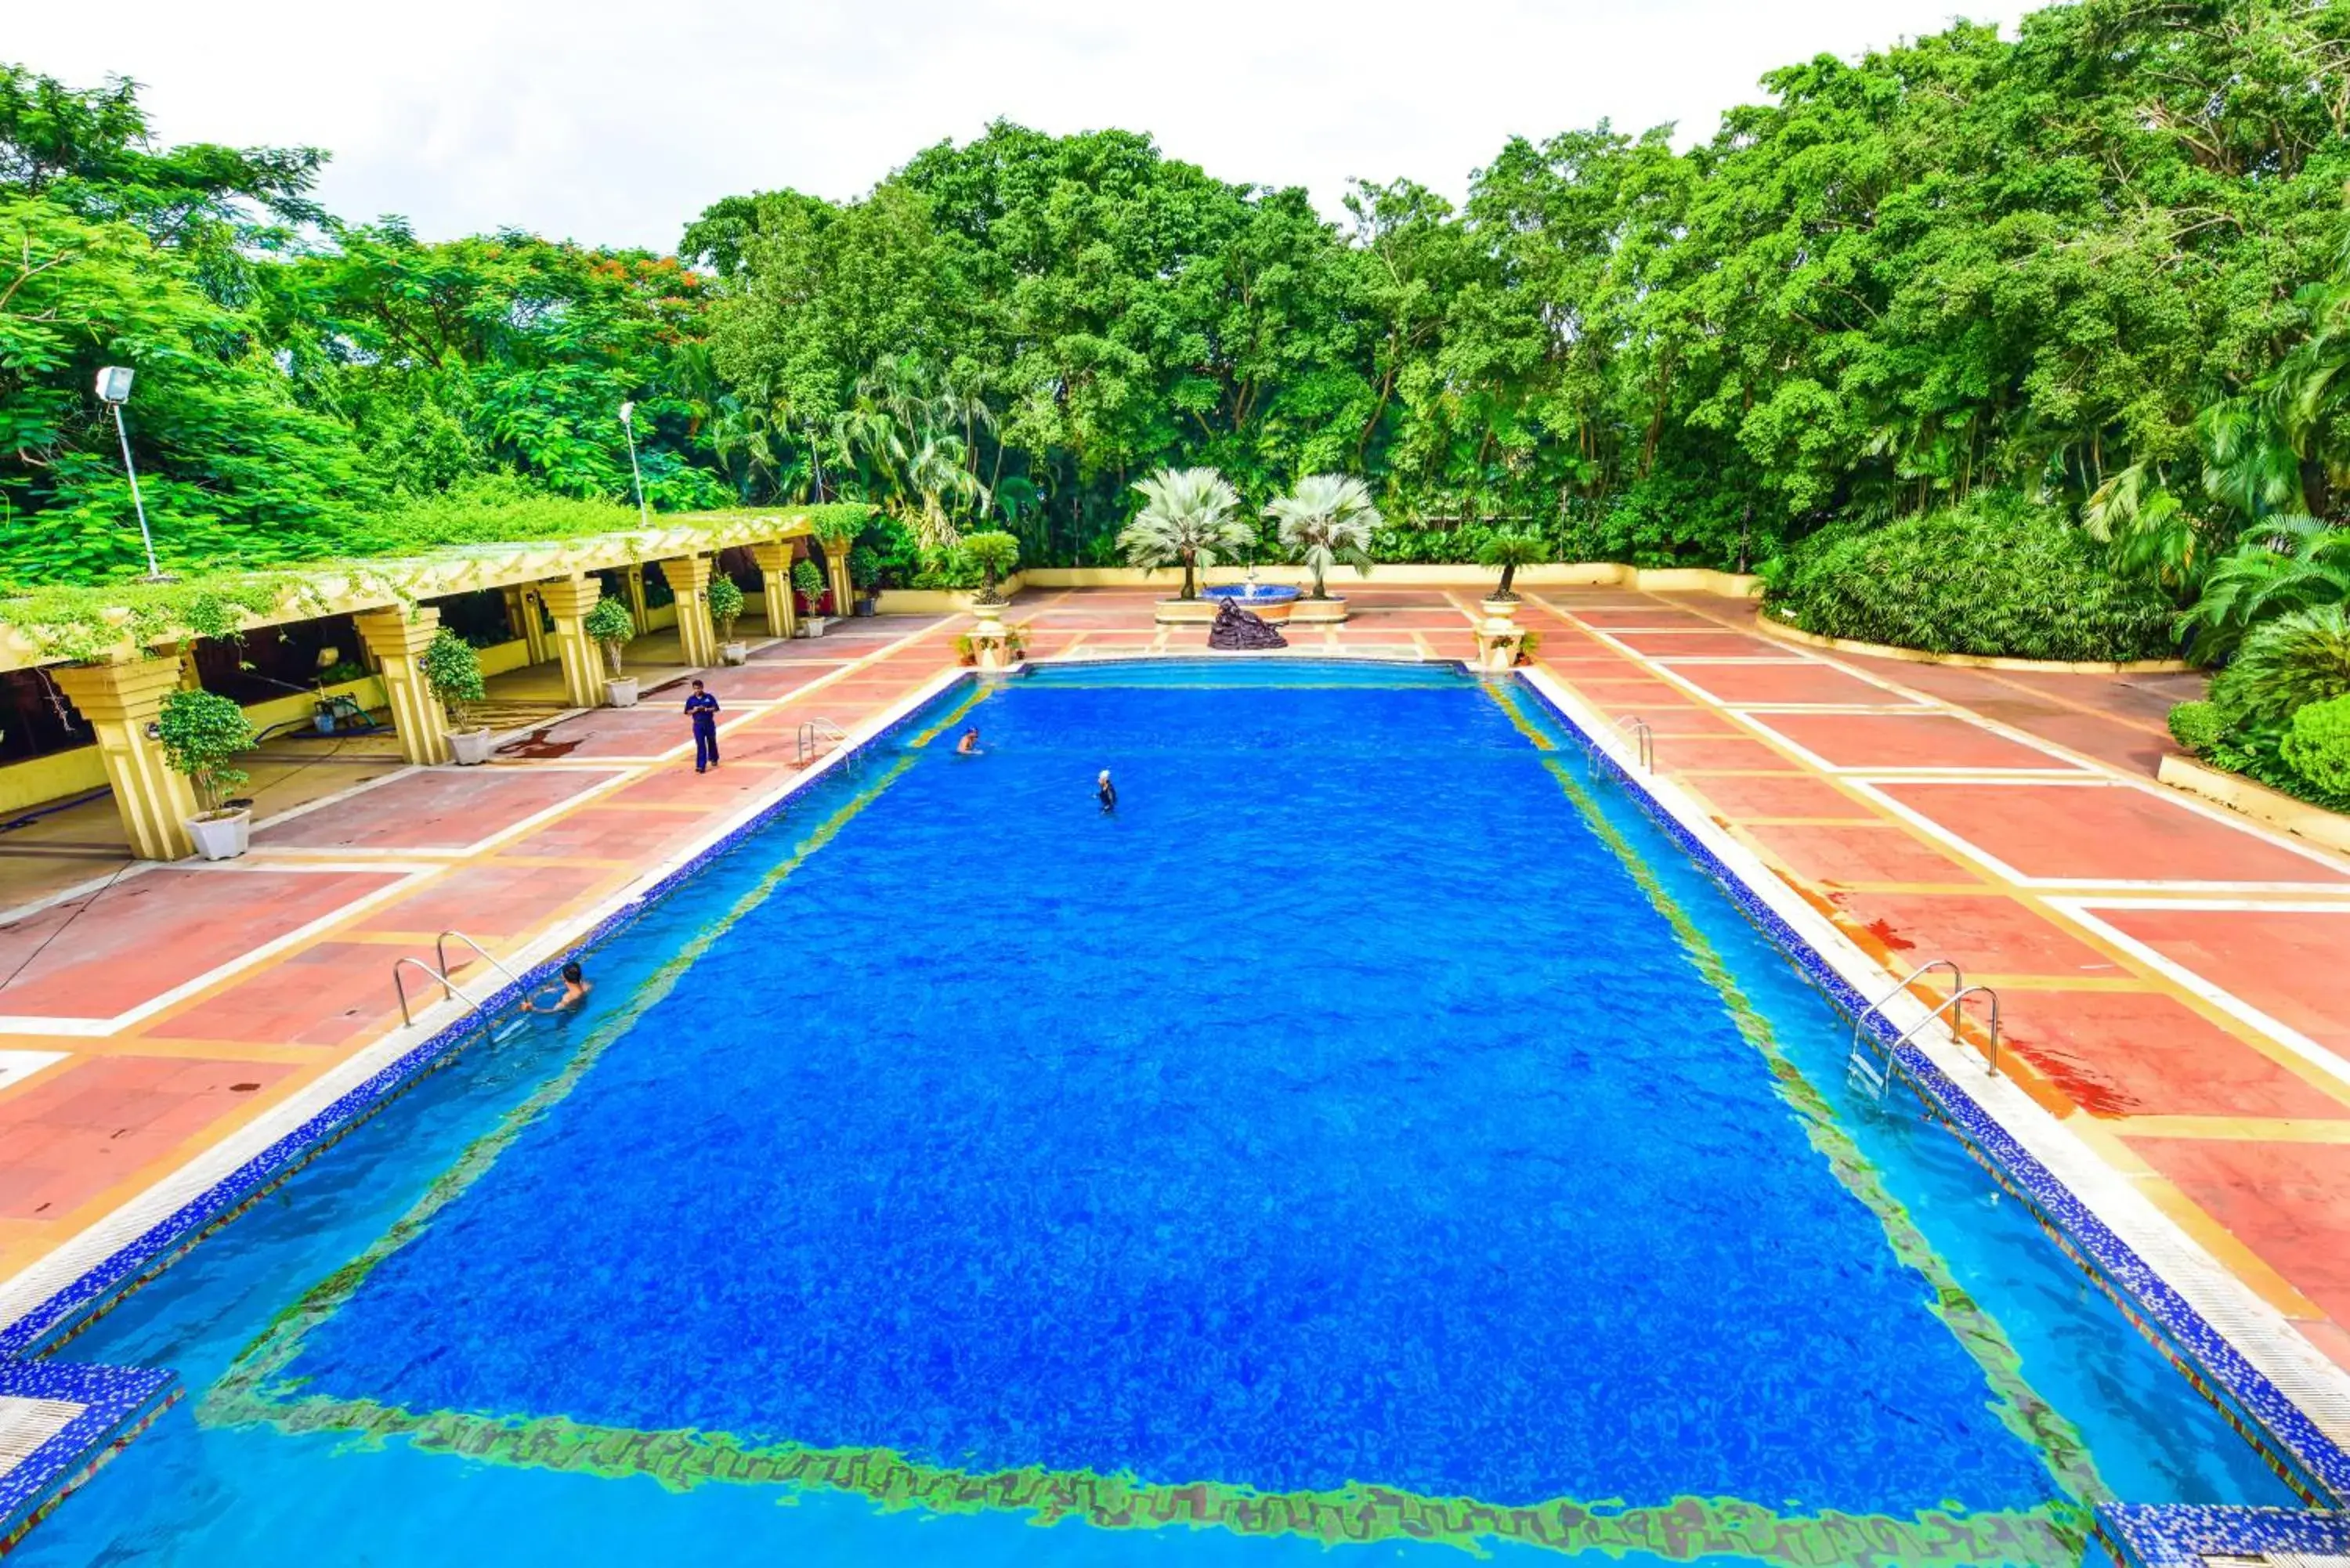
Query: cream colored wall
pixel 1584 574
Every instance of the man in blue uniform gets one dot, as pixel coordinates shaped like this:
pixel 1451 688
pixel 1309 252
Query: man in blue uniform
pixel 703 709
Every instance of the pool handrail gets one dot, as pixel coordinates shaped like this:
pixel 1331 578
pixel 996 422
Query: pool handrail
pixel 399 984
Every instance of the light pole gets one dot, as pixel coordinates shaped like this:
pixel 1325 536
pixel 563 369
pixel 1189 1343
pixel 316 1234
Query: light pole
pixel 629 423
pixel 114 391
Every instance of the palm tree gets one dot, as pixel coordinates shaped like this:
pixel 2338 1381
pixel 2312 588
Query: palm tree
pixel 1328 519
pixel 1187 516
pixel 1509 550
pixel 2283 565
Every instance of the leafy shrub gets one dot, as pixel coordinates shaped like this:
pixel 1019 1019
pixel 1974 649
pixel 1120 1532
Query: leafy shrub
pixel 2317 747
pixel 200 730
pixel 808 578
pixel 1999 576
pixel 453 672
pixel 2197 727
pixel 2284 666
pixel 1509 551
pixel 725 602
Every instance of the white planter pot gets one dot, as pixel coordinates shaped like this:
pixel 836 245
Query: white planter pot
pixel 470 747
pixel 734 653
pixel 1500 610
pixel 621 692
pixel 221 837
pixel 812 625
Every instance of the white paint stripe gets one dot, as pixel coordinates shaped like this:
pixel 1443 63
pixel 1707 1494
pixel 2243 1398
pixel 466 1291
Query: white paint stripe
pixel 2201 985
pixel 97 1027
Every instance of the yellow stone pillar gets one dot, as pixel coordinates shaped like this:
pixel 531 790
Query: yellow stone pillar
pixel 522 614
pixel 568 600
pixel 837 568
pixel 689 579
pixel 397 643
pixel 632 589
pixel 774 557
pixel 120 701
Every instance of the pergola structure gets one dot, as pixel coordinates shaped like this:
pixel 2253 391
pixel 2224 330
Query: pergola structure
pixel 121 689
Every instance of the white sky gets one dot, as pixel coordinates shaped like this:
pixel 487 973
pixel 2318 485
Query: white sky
pixel 617 123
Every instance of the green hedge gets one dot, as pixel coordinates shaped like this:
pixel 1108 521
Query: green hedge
pixel 1999 576
pixel 2280 713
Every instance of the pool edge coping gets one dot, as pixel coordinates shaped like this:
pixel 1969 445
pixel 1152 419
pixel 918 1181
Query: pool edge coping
pixel 2139 1252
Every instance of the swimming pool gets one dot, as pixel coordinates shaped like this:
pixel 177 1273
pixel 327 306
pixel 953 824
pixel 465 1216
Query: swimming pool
pixel 1377 1130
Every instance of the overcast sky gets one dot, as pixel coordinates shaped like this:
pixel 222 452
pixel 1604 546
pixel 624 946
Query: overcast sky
pixel 616 123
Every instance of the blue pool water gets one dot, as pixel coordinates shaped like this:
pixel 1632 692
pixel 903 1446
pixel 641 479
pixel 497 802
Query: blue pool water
pixel 1374 1100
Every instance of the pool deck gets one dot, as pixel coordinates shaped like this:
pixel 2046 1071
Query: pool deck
pixel 2164 969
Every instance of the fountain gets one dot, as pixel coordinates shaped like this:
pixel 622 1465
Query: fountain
pixel 1267 601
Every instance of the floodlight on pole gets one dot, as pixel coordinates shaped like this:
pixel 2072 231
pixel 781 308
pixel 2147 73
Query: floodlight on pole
pixel 629 423
pixel 114 391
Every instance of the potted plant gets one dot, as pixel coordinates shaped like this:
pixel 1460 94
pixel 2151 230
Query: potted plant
pixel 864 571
pixel 200 732
pixel 1187 517
pixel 1508 550
pixel 1328 519
pixel 808 580
pixel 449 666
pixel 994 552
pixel 611 627
pixel 725 607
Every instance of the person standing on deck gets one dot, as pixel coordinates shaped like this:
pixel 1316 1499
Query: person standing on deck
pixel 703 709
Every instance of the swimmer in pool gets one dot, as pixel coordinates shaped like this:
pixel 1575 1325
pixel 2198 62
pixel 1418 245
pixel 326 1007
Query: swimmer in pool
pixel 575 991
pixel 1106 792
pixel 969 746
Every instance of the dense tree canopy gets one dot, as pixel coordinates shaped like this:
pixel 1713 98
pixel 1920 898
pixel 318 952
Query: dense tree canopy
pixel 2092 269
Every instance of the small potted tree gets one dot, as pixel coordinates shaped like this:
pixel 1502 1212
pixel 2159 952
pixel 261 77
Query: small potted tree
pixel 725 607
pixel 454 673
pixel 807 579
pixel 202 731
pixel 864 571
pixel 994 553
pixel 611 627
pixel 1508 550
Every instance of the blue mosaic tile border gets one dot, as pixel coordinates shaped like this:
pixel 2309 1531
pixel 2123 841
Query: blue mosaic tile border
pixel 79 1302
pixel 2202 1352
pixel 120 1400
pixel 2164 1536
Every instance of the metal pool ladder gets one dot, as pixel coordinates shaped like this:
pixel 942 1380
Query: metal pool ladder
pixel 1645 738
pixel 813 736
pixel 1862 1061
pixel 441 973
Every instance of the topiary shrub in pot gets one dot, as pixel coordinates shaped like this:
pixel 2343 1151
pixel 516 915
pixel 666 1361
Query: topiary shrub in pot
pixel 611 626
pixel 453 672
pixel 807 581
pixel 201 732
pixel 725 608
pixel 864 572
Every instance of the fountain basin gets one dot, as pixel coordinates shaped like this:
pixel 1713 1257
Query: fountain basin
pixel 1267 601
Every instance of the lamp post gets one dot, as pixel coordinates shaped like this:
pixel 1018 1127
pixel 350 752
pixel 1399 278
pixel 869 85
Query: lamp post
pixel 629 424
pixel 114 391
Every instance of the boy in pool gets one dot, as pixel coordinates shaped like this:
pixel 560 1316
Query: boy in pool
pixel 969 746
pixel 1106 792
pixel 575 991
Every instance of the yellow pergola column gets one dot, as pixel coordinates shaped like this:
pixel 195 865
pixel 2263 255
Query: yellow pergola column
pixel 632 589
pixel 836 565
pixel 120 700
pixel 397 643
pixel 522 614
pixel 567 601
pixel 689 579
pixel 774 557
